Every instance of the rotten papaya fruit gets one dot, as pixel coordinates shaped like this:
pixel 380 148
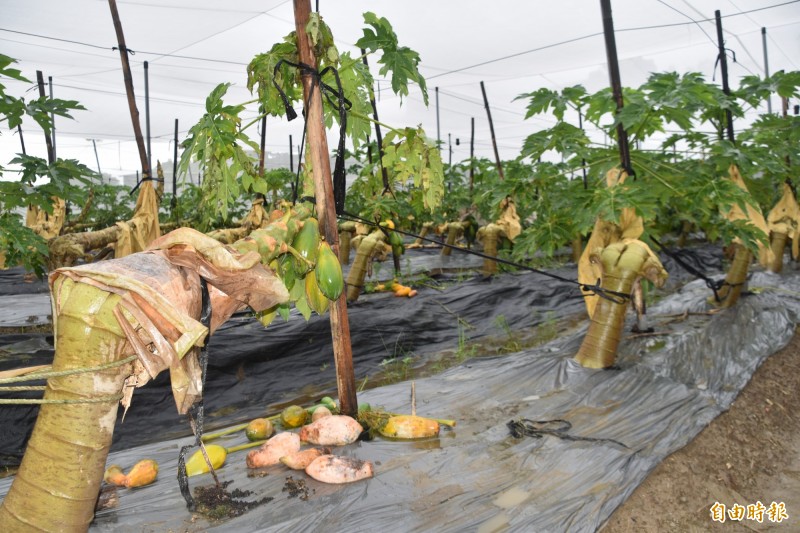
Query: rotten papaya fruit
pixel 143 473
pixel 329 272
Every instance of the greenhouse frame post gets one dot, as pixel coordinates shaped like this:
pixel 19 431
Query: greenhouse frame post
pixel 21 139
pixel 491 130
pixel 174 201
pixel 326 213
pixel 766 65
pixel 471 155
pixel 126 73
pixel 616 83
pixel 147 112
pixel 291 155
pixel 723 67
pixel 97 159
pixel 438 130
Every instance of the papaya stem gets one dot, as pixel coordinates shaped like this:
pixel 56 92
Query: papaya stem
pixel 217 434
pixel 245 446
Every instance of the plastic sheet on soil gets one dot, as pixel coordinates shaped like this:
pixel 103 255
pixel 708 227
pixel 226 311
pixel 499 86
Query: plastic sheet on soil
pixel 476 477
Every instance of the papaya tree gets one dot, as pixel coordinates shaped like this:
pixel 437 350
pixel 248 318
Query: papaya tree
pixel 38 181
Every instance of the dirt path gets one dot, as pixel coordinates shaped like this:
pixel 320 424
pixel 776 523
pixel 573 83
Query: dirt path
pixel 749 454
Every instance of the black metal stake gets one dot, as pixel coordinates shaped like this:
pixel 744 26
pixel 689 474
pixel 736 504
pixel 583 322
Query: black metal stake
pixel 491 129
pixel 438 130
pixel 21 139
pixel 723 66
pixel 48 140
pixel 583 160
pixel 97 158
pixel 766 66
pixel 616 84
pixel 471 155
pixel 378 134
pixel 52 118
pixel 291 155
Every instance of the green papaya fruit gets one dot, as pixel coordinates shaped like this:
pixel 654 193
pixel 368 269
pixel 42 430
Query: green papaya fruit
pixel 306 242
pixel 314 297
pixel 328 272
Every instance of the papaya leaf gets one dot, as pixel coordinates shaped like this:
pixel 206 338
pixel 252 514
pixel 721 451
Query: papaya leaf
pixel 401 61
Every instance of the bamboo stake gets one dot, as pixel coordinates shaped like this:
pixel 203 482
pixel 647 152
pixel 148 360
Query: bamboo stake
pixel 126 73
pixel 491 129
pixel 321 170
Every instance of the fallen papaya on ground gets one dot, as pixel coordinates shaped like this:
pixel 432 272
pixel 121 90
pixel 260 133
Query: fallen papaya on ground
pixel 270 452
pixel 334 430
pixel 338 469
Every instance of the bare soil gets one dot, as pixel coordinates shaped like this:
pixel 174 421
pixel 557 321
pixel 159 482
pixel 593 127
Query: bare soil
pixel 749 454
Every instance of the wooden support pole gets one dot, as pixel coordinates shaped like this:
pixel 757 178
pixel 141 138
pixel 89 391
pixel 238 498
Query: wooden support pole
pixel 326 214
pixel 616 83
pixel 491 129
pixel 48 140
pixel 723 67
pixel 126 73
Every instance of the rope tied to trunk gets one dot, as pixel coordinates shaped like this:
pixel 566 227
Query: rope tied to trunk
pixel 714 285
pixel 337 100
pixel 596 289
pixel 35 376
pixel 556 428
pixel 196 411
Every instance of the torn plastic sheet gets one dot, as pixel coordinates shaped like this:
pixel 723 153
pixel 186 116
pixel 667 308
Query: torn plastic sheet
pixel 665 391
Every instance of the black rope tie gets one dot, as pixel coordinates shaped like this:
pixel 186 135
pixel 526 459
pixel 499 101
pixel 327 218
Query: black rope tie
pixel 146 178
pixel 596 289
pixel 123 48
pixel 337 100
pixel 196 411
pixel 714 285
pixel 555 428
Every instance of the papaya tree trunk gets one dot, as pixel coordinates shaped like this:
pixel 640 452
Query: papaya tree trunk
pixel 490 238
pixel 59 479
pixel 358 272
pixel 346 232
pixel 622 263
pixel 453 230
pixel 736 277
pixel 683 238
pixel 426 228
pixel 577 248
pixel 778 245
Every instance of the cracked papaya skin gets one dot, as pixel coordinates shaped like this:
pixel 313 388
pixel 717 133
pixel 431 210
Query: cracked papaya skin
pixel 329 272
